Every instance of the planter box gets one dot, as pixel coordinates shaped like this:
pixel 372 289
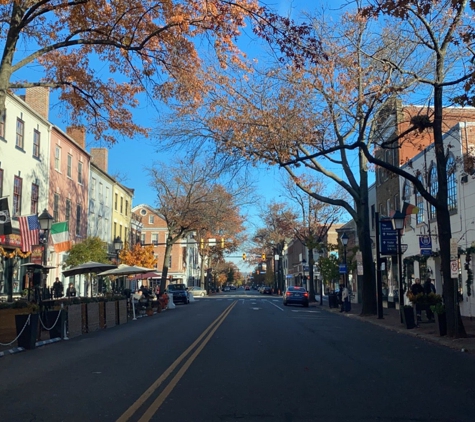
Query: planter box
pixel 74 320
pixel 92 317
pixel 122 311
pixel 111 314
pixel 84 318
pixel 441 324
pixel 102 315
pixel 8 325
pixel 55 321
pixel 28 330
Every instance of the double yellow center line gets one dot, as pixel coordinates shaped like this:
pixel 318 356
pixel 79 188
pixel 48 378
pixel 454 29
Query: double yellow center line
pixel 152 409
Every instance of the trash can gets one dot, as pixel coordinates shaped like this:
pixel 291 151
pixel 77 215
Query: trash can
pixel 333 300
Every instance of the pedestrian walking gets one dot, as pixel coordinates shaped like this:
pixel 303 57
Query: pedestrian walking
pixel 58 289
pixel 344 299
pixel 428 289
pixel 416 289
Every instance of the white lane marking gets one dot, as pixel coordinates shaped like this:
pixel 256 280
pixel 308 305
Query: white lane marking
pixel 307 312
pixel 255 309
pixel 278 307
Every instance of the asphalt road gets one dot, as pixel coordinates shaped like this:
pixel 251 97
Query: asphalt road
pixel 239 356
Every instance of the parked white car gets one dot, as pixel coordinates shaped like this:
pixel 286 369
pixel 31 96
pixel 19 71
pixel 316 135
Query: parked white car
pixel 197 291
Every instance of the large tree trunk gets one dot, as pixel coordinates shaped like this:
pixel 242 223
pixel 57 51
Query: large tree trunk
pixel 369 305
pixel 369 285
pixel 311 284
pixel 455 326
pixel 18 11
pixel 166 259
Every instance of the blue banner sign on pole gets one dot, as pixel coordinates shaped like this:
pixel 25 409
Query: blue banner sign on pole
pixel 342 268
pixel 388 238
pixel 425 244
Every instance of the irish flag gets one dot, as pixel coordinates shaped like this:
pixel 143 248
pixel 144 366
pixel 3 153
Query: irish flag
pixel 60 236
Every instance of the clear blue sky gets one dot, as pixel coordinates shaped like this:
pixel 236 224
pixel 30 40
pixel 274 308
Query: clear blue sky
pixel 130 159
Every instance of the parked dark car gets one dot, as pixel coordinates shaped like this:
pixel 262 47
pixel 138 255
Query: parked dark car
pixel 296 295
pixel 180 293
pixel 266 290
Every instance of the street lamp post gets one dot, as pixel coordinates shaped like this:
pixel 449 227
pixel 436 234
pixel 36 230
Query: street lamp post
pixel 304 280
pixel 118 245
pixel 398 224
pixel 344 240
pixel 45 220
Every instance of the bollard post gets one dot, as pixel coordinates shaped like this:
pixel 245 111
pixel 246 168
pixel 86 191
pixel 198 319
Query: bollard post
pixel 65 325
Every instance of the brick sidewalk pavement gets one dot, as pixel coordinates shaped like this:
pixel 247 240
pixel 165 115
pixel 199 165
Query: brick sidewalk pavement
pixel 426 330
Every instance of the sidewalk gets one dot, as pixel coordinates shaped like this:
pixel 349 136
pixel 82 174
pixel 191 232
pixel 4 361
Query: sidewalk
pixel 426 330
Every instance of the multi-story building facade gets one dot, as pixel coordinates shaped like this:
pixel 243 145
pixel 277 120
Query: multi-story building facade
pixel 112 203
pixel 391 190
pixel 154 232
pixel 68 189
pixel 24 178
pixel 423 261
pixel 122 212
pixel 100 204
pixel 296 261
pixel 392 122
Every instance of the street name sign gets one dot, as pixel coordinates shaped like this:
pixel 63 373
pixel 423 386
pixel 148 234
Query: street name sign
pixel 388 238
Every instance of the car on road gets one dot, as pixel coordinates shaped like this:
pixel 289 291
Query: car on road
pixel 197 291
pixel 247 288
pixel 226 289
pixel 266 290
pixel 180 293
pixel 296 295
pixel 232 287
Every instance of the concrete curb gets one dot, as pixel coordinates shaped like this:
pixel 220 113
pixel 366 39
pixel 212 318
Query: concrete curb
pixel 22 349
pixel 12 351
pixel 454 344
pixel 45 342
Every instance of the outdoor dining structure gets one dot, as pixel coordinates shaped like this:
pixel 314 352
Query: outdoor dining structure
pixel 88 268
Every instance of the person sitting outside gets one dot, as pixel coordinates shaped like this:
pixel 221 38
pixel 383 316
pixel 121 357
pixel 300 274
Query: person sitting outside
pixel 71 290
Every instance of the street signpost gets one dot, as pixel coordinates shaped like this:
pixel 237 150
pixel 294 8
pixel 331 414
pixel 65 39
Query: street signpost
pixel 454 255
pixel 425 245
pixel 388 238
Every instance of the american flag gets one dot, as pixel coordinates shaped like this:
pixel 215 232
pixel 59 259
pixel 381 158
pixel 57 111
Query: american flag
pixel 29 230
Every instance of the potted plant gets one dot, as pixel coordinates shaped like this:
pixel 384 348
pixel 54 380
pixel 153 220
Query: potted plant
pixel 408 317
pixel 440 318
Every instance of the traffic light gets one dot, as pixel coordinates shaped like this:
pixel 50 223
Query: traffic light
pixel 202 243
pixel 243 256
pixel 222 242
pixel 263 257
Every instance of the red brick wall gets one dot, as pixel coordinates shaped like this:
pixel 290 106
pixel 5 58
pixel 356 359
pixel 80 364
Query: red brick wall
pixel 38 99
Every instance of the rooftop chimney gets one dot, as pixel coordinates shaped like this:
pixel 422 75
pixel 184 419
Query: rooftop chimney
pixel 78 134
pixel 37 98
pixel 99 157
